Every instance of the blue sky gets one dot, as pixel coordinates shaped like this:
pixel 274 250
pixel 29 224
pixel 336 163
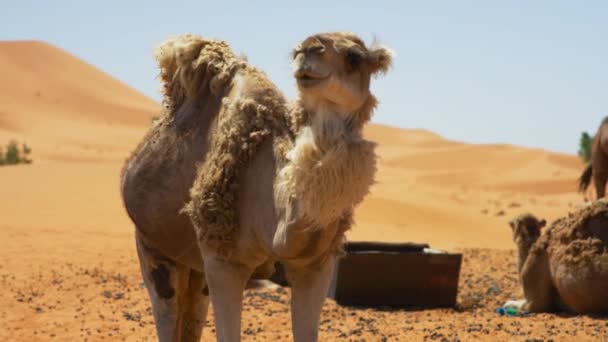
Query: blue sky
pixel 532 73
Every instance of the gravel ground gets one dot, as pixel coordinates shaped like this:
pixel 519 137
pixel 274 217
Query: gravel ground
pixel 68 301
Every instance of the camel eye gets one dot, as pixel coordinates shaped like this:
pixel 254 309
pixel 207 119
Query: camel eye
pixel 353 60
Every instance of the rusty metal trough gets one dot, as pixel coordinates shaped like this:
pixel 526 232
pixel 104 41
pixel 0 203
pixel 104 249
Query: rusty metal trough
pixel 396 275
pixel 374 274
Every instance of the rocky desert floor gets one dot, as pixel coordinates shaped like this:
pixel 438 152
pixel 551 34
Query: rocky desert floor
pixel 72 300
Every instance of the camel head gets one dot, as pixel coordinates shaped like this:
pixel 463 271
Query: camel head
pixel 333 72
pixel 526 229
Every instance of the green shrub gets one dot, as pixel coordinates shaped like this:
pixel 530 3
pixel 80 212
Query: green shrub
pixel 584 147
pixel 14 155
pixel 25 152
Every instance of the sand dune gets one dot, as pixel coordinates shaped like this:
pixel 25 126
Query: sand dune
pixel 429 188
pixel 454 194
pixel 65 208
pixel 66 108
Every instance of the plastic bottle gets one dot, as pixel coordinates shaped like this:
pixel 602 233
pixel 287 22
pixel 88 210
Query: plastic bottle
pixel 510 309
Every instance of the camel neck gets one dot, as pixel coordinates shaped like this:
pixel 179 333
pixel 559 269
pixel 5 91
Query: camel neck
pixel 523 249
pixel 305 113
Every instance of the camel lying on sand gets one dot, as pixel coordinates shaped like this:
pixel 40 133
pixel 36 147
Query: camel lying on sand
pixel 231 178
pixel 598 166
pixel 566 267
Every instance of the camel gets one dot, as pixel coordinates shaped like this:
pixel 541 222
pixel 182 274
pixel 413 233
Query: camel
pixel 598 166
pixel 564 268
pixel 232 179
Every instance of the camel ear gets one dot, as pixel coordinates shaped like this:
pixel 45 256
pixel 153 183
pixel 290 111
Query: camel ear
pixel 542 223
pixel 380 58
pixel 512 224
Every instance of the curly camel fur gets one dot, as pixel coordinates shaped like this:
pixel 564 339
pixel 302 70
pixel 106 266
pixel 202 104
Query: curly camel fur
pixel 232 179
pixel 243 124
pixel 566 267
pixel 328 173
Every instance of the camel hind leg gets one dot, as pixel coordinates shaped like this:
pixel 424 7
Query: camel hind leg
pixel 195 303
pixel 178 295
pixel 600 178
pixel 600 159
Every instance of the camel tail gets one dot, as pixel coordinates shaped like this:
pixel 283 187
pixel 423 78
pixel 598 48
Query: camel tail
pixel 585 179
pixel 193 68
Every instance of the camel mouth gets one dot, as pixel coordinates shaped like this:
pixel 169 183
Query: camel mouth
pixel 306 79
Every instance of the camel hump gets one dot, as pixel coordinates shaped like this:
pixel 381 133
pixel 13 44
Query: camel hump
pixel 193 67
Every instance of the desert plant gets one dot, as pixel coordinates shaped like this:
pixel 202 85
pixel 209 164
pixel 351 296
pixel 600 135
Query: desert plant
pixel 584 148
pixel 14 155
pixel 25 152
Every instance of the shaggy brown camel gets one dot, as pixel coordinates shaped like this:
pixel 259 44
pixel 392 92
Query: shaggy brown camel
pixel 566 267
pixel 598 166
pixel 231 179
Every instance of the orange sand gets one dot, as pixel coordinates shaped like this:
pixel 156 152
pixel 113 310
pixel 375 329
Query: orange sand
pixel 65 208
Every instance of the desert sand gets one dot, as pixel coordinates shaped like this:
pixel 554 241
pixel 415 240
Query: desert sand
pixel 68 267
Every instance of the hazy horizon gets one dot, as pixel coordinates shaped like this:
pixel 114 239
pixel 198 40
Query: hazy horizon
pixel 530 74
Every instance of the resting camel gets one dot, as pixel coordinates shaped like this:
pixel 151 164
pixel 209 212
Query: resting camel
pixel 566 267
pixel 232 179
pixel 598 166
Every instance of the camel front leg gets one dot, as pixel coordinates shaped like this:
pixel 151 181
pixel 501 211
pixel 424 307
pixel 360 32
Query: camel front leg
pixel 537 284
pixel 309 286
pixel 226 285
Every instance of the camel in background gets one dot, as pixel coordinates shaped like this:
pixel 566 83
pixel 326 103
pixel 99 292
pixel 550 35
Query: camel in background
pixel 598 166
pixel 564 268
